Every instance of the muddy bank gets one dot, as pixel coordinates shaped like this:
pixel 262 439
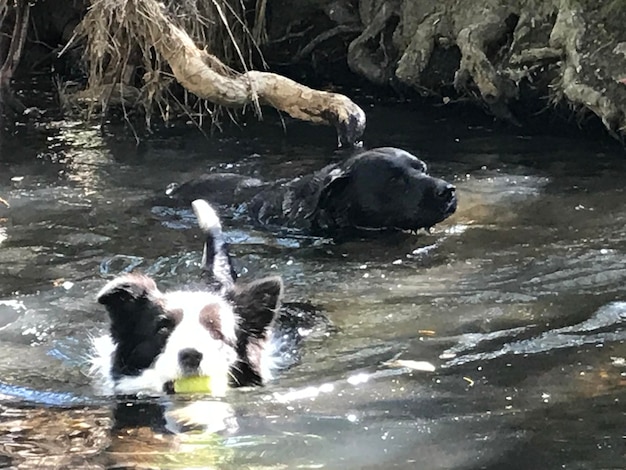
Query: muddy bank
pixel 514 59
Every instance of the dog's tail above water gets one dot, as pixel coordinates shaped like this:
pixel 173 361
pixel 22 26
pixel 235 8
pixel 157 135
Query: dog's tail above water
pixel 216 264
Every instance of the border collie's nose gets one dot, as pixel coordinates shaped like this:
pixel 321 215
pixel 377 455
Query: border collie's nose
pixel 189 358
pixel 445 192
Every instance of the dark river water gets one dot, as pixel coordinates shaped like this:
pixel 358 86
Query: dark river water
pixel 518 301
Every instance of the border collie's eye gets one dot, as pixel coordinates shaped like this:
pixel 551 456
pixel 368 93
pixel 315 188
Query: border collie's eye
pixel 164 323
pixel 210 319
pixel 216 334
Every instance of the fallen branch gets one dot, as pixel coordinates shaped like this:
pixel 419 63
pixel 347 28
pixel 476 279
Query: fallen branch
pixel 204 75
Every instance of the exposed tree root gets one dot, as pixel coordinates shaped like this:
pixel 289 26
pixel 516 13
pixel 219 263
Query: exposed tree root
pixel 567 35
pixel 325 36
pixel 417 54
pixel 499 52
pixel 473 42
pixel 204 75
pixel 368 54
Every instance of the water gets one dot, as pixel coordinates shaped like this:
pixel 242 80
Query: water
pixel 518 301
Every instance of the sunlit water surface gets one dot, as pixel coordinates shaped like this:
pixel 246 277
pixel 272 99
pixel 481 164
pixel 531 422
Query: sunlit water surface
pixel 518 301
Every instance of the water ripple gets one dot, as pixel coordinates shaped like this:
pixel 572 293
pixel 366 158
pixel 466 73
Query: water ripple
pixel 590 331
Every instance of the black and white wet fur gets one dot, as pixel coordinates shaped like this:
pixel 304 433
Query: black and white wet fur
pixel 221 330
pixel 379 189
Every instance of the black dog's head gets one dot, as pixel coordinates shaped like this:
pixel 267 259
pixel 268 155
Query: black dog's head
pixel 384 188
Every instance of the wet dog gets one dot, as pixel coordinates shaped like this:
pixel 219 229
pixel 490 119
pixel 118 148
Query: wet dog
pixel 222 330
pixel 383 188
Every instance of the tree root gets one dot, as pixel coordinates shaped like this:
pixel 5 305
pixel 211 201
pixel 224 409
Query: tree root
pixel 325 36
pixel 361 59
pixel 417 54
pixel 536 55
pixel 473 41
pixel 504 55
pixel 566 35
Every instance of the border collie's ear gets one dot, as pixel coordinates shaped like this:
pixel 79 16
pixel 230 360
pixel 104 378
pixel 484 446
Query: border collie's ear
pixel 122 294
pixel 256 304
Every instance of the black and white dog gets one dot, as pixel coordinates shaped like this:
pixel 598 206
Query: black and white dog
pixel 383 188
pixel 222 330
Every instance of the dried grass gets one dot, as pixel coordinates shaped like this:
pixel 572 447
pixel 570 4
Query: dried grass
pixel 120 53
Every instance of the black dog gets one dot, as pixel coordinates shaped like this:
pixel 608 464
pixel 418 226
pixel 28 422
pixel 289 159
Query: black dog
pixel 384 188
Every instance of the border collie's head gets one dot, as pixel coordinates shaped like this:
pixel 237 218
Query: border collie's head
pixel 156 338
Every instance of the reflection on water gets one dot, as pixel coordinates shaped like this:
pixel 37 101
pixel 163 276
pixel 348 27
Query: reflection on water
pixel 604 327
pixel 517 301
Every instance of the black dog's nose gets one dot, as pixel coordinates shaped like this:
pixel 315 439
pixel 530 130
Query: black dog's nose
pixel 445 192
pixel 189 358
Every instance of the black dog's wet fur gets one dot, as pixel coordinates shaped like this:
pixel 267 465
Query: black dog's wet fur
pixel 385 188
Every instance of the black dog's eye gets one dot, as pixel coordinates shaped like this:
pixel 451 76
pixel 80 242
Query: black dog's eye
pixel 398 179
pixel 419 166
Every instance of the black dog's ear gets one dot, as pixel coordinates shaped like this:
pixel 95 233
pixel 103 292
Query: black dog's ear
pixel 125 293
pixel 256 304
pixel 332 187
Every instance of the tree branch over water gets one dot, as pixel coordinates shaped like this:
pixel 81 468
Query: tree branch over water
pixel 122 40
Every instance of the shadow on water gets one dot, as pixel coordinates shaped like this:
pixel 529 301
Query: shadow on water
pixel 517 301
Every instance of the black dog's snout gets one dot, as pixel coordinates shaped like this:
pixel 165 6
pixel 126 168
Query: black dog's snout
pixel 445 192
pixel 189 358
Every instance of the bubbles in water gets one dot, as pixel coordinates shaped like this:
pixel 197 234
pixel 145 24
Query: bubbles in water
pixel 10 310
pixel 120 264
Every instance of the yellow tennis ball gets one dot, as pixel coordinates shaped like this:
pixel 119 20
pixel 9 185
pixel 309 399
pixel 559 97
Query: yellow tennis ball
pixel 215 385
pixel 197 384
